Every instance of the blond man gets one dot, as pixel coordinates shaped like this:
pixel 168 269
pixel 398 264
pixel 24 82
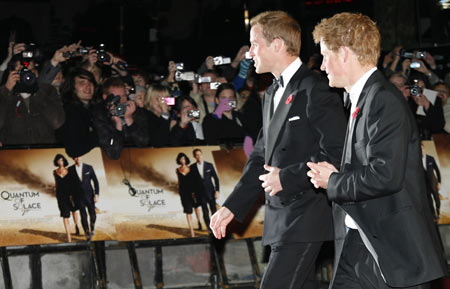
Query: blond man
pixel 384 232
pixel 302 120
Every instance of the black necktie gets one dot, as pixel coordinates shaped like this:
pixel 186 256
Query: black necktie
pixel 276 84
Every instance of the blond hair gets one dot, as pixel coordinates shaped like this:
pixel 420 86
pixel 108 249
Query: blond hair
pixel 278 24
pixel 152 92
pixel 353 30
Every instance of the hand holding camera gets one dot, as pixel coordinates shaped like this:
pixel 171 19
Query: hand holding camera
pixel 13 78
pixel 240 55
pixel 224 105
pixel 209 62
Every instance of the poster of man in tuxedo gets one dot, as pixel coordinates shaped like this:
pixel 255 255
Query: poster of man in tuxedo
pixel 37 203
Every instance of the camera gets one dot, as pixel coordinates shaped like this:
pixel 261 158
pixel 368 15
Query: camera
pixel 179 65
pixel 102 55
pixel 27 79
pixel 232 103
pixel 31 52
pixel 169 100
pixel 415 90
pixel 219 60
pixel 119 108
pixel 77 52
pixel 414 64
pixel 193 113
pixel 214 85
pixel 417 54
pixel 204 79
pixel 188 76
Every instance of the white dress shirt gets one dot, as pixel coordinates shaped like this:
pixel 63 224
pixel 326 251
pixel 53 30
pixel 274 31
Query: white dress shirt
pixel 79 170
pixel 287 75
pixel 200 168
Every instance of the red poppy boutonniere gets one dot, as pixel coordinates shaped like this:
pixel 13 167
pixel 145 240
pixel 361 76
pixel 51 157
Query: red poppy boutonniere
pixel 289 99
pixel 355 113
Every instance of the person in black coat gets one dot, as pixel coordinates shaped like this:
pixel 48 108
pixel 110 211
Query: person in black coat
pixel 384 234
pixel 158 115
pixel 64 195
pixel 186 129
pixel 117 121
pixel 224 125
pixel 302 120
pixel 206 175
pixel 81 177
pixel 77 134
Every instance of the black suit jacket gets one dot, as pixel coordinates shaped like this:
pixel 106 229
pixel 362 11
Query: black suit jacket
pixel 381 186
pixel 209 173
pixel 83 192
pixel 309 124
pixel 431 181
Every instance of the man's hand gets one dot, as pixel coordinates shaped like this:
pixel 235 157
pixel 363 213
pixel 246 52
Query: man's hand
pixel 271 181
pixel 128 116
pixel 320 173
pixel 240 55
pixel 220 221
pixel 209 62
pixel 216 195
pixel 422 100
pixel 12 80
pixel 95 198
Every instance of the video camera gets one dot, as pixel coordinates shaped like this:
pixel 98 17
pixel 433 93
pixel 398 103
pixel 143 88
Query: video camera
pixel 220 60
pixel 411 55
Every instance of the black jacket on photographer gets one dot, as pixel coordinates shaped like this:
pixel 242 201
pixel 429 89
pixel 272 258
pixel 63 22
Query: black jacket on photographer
pixel 223 130
pixel 30 120
pixel 112 140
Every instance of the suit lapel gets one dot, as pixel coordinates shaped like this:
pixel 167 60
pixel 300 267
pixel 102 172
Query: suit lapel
pixel 274 125
pixel 369 88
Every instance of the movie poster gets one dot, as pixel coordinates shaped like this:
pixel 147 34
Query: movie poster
pixel 31 210
pixel 148 201
pixel 440 151
pixel 230 164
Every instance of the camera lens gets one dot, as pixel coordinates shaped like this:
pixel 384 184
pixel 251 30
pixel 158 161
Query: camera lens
pixel 27 77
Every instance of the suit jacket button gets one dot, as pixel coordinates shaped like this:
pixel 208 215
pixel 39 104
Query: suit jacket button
pixel 282 203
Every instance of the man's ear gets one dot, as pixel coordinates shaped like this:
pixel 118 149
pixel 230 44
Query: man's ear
pixel 277 44
pixel 345 53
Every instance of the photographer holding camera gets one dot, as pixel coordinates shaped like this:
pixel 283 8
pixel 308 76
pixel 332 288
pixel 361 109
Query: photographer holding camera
pixel 52 67
pixel 225 123
pixel 29 111
pixel 118 121
pixel 429 117
pixel 186 129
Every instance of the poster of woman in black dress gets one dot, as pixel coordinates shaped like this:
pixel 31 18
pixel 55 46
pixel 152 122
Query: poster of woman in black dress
pixel 186 188
pixel 64 196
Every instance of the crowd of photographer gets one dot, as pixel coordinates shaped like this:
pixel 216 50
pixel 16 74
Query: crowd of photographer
pixel 84 97
pixel 416 75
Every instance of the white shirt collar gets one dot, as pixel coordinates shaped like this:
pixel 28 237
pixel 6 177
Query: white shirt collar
pixel 356 89
pixel 290 71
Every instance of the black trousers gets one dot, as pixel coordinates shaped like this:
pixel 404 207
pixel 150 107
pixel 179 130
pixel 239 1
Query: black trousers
pixel 292 266
pixel 92 217
pixel 357 268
